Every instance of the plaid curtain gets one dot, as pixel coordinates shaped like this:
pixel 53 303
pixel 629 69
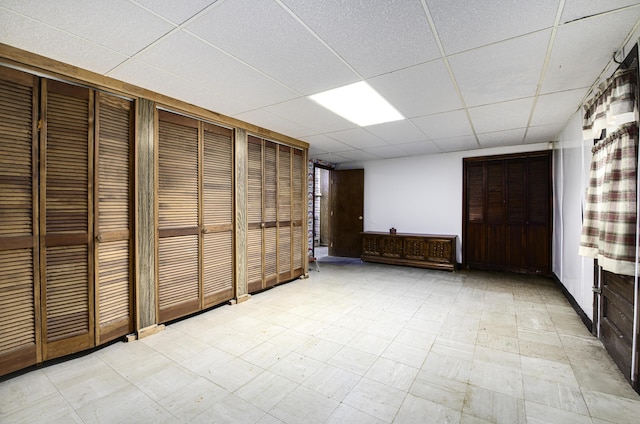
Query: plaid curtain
pixel 609 225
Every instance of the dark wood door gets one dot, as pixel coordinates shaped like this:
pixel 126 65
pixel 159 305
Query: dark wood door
pixel 347 212
pixel 507 213
pixel 616 319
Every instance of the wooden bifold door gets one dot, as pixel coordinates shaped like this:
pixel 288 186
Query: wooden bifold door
pixel 195 215
pixel 507 213
pixel 65 179
pixel 276 176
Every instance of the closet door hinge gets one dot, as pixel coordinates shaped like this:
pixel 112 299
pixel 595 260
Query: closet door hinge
pixel 596 290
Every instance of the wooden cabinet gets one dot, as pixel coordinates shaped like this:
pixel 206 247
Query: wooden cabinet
pixel 419 250
pixel 507 213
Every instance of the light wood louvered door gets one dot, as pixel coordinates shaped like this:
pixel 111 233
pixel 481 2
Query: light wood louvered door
pixel 276 176
pixel 66 232
pixel 19 255
pixel 297 198
pixel 178 231
pixel 255 210
pixel 195 215
pixel 270 215
pixel 284 213
pixel 217 214
pixel 113 218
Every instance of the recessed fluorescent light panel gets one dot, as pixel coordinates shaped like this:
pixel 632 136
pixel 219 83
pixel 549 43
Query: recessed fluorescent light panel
pixel 359 103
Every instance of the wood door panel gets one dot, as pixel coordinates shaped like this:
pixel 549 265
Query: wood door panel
pixel 66 230
pixel 19 256
pixel 508 228
pixel 178 288
pixel 616 318
pixel 218 267
pixel 113 217
pixel 347 205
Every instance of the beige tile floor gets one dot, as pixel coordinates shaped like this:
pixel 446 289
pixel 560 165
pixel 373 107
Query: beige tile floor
pixel 355 343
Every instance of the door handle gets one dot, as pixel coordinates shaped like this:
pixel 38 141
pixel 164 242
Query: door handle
pixel 360 217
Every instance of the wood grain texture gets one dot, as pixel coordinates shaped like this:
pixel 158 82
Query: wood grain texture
pixel 145 215
pixel 241 157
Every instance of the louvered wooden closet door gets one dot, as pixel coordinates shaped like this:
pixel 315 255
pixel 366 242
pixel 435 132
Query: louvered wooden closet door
pixel 217 198
pixel 284 213
pixel 66 222
pixel 255 257
pixel 178 273
pixel 113 217
pixel 298 197
pixel 19 284
pixel 270 215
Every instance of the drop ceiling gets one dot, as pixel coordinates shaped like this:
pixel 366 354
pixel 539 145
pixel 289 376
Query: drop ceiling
pixel 465 75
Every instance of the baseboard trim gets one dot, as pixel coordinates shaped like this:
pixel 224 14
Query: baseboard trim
pixel 572 301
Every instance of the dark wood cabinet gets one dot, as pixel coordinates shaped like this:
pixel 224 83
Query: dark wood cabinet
pixel 507 213
pixel 419 250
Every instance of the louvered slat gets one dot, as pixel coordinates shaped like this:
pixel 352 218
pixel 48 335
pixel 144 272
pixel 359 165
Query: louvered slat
pixel 114 164
pixel 254 186
pixel 114 288
pixel 284 250
pixel 284 184
pixel 218 267
pixel 177 271
pixel 178 175
pixel 270 183
pixel 297 184
pixel 297 247
pixel 217 186
pixel 270 253
pixel 17 310
pixel 67 311
pixel 254 255
pixel 67 159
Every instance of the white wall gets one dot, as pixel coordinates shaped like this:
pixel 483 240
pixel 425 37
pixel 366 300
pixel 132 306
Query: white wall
pixel 572 159
pixel 420 194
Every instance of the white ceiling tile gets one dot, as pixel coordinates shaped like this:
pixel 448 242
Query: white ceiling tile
pixel 331 158
pixel 185 55
pixel 420 148
pixel 576 9
pixel 311 115
pixel 145 76
pixel 266 36
pixel 358 138
pixel 555 108
pixel 273 122
pixel 176 11
pixel 386 152
pixel 28 34
pixel 503 71
pixel 444 125
pixel 456 144
pixel 375 37
pixel 122 26
pixel 397 132
pixel 328 144
pixel 419 90
pixel 501 138
pixel 358 155
pixel 583 48
pixel 462 27
pixel 501 116
pixel 543 133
